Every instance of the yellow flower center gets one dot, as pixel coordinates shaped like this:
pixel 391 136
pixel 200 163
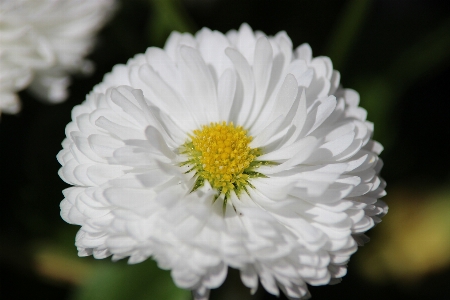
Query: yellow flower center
pixel 220 153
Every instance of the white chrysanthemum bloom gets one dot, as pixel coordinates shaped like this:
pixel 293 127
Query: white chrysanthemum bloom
pixel 42 42
pixel 224 151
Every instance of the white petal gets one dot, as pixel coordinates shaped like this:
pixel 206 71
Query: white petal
pixel 308 145
pixel 104 145
pixel 157 140
pixel 226 93
pixel 199 89
pixel 243 106
pixel 215 276
pixel 262 67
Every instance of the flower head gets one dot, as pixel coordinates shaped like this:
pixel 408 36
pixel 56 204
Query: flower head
pixel 43 41
pixel 224 151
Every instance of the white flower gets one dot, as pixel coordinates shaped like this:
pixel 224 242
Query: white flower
pixel 224 151
pixel 42 41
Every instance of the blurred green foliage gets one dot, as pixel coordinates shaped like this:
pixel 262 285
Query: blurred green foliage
pixel 379 92
pixel 396 54
pixel 119 281
pixel 348 27
pixel 168 15
pixel 416 241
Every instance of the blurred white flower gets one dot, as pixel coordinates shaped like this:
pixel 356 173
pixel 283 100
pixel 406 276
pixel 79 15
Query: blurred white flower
pixel 224 151
pixel 42 42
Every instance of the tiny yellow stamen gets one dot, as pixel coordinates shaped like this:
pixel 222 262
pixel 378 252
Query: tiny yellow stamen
pixel 221 154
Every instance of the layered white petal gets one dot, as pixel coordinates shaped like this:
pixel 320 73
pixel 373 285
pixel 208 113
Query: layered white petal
pixel 43 42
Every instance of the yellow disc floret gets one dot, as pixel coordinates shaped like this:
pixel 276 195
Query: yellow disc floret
pixel 220 153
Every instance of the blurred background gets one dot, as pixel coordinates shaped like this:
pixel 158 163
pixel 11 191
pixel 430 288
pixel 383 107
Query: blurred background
pixel 395 53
